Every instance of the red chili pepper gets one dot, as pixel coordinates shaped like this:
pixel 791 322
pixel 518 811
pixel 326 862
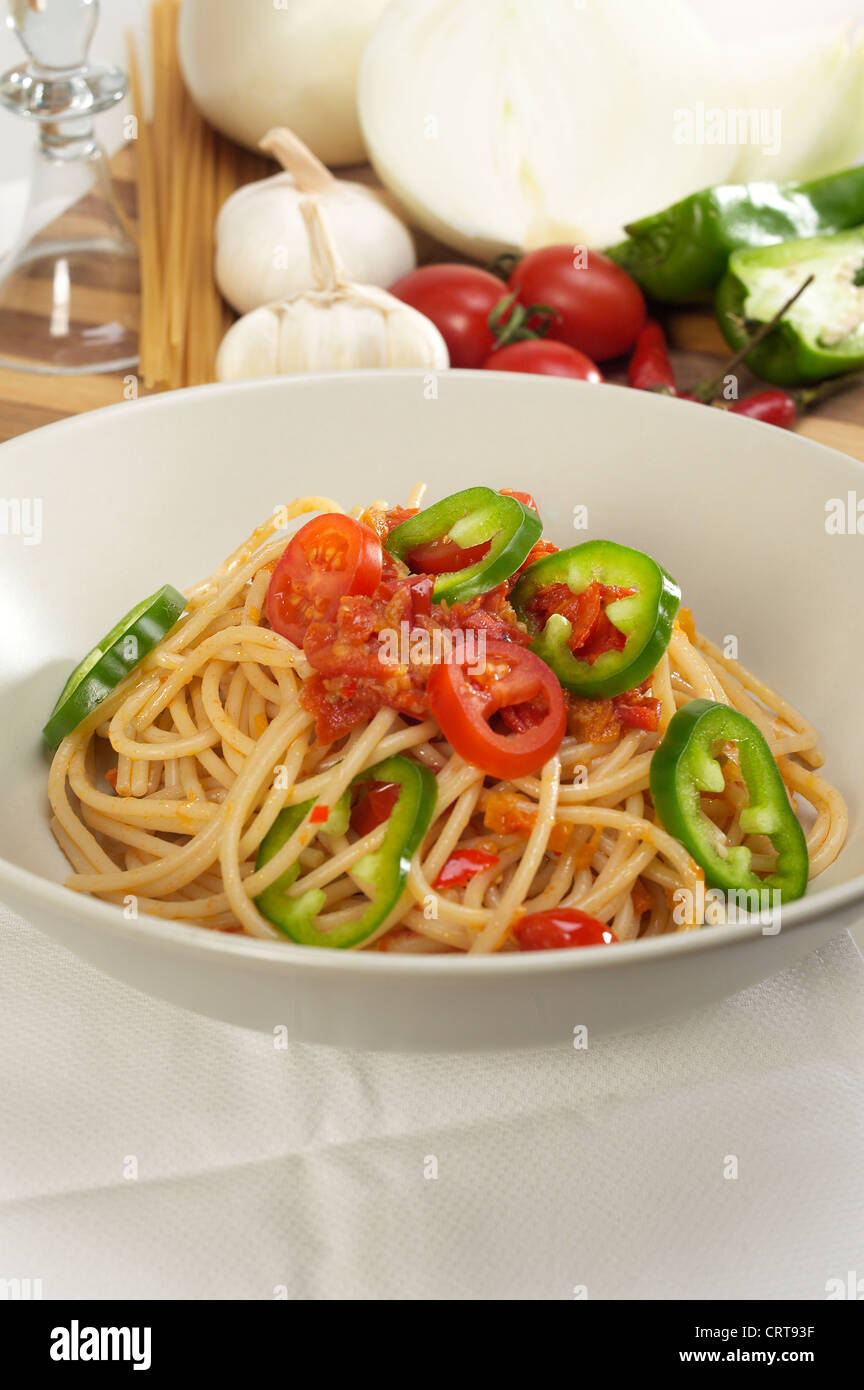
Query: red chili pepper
pixel 649 368
pixel 319 815
pixel 772 407
pixel 463 865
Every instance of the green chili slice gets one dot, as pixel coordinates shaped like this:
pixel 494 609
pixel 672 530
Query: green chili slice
pixel 385 871
pixel 643 618
pixel 470 519
pixel 110 662
pixel 686 764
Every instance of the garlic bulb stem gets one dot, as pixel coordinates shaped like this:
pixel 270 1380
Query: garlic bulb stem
pixel 307 171
pixel 327 269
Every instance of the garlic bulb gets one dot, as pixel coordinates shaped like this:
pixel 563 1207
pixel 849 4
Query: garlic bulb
pixel 339 326
pixel 503 126
pixel 262 247
pixel 254 64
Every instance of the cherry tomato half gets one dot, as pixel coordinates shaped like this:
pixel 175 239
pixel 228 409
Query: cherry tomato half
pixel 329 557
pixel 443 556
pixel 458 299
pixel 544 358
pixel 463 701
pixel 561 927
pixel 600 308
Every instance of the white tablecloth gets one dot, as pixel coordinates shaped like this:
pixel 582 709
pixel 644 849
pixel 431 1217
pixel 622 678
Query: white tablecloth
pixel 307 1172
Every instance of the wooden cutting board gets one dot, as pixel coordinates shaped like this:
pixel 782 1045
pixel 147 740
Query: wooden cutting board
pixel 698 351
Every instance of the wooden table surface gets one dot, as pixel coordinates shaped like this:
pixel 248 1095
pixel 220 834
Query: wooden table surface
pixel 28 400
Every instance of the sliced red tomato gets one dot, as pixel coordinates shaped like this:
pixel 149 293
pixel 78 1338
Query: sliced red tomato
pixel 443 556
pixel 561 927
pixel 463 701
pixel 463 865
pixel 542 357
pixel 330 557
pixel 375 806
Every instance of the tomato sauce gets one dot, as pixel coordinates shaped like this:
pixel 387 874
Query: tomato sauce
pixel 352 681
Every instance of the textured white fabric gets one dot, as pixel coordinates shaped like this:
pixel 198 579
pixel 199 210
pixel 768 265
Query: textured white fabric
pixel 302 1170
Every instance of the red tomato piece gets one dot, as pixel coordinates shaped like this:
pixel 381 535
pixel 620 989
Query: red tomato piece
pixel 458 299
pixel 518 718
pixel 561 927
pixel 328 558
pixel 443 556
pixel 419 587
pixel 641 713
pixel 544 358
pixel 592 631
pixel 464 701
pixel 536 552
pixel 599 308
pixel 463 865
pixel 524 497
pixel 375 806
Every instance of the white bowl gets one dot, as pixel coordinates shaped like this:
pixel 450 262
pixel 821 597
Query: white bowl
pixel 160 490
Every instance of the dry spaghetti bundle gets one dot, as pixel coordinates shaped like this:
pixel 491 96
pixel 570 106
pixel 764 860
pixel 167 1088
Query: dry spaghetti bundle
pixel 165 794
pixel 186 170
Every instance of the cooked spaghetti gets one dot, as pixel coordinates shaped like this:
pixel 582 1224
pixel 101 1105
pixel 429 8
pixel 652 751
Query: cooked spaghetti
pixel 164 795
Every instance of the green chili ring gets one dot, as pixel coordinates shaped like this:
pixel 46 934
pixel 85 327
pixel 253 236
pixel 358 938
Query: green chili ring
pixel 684 766
pixel 111 661
pixel 469 518
pixel 385 870
pixel 646 617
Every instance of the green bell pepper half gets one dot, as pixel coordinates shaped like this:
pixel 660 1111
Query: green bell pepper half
pixel 645 617
pixel 385 870
pixel 110 662
pixel 681 253
pixel 470 518
pixel 822 333
pixel 685 765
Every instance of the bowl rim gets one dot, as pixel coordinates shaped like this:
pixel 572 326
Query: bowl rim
pixel 54 897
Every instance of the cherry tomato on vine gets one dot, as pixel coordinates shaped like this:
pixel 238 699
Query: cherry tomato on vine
pixel 544 358
pixel 600 309
pixel 329 557
pixel 458 299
